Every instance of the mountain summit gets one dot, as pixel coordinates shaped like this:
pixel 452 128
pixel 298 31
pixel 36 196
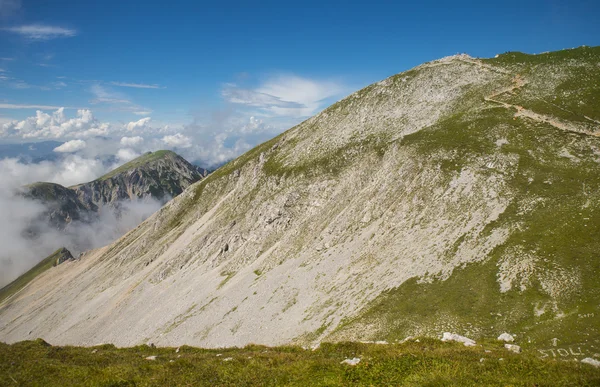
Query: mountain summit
pixel 160 175
pixel 459 196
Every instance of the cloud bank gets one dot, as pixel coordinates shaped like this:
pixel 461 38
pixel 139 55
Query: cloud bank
pixel 18 215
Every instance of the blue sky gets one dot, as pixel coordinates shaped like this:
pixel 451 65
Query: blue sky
pixel 213 79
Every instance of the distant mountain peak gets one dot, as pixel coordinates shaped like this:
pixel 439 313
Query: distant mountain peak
pixel 160 175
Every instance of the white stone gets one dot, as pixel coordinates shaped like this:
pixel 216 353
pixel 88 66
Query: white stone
pixel 352 362
pixel 513 348
pixel 461 339
pixel 506 337
pixel 592 362
pixel 151 357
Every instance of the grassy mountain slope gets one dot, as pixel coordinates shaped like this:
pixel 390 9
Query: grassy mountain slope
pixel 461 195
pixel 50 261
pixel 541 283
pixel 148 158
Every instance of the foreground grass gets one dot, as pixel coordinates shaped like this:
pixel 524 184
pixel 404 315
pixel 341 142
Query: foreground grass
pixel 424 363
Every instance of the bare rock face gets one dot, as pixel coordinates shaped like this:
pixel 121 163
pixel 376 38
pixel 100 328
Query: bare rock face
pixel 161 175
pixel 63 256
pixel 460 196
pixel 62 204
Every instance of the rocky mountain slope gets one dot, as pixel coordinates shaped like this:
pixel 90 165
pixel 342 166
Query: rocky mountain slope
pixel 56 258
pixel 160 175
pixel 462 196
pixel 62 204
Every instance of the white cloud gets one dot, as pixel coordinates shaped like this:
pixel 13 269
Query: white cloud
pixel 285 95
pixel 126 154
pixel 71 146
pixel 131 141
pixel 28 106
pixel 102 95
pixel 143 113
pixel 177 140
pixel 136 85
pixel 254 126
pixel 254 98
pixel 72 169
pixel 44 125
pixel 57 125
pixel 116 100
pixel 18 84
pixel 138 125
pixel 311 94
pixel 42 32
pixel 18 214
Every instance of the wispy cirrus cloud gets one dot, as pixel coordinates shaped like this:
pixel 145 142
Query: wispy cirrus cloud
pixel 285 95
pixel 116 100
pixel 42 32
pixel 254 98
pixel 137 85
pixel 103 95
pixel 29 106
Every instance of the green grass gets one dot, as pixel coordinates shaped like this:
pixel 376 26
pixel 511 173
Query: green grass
pixel 425 363
pixel 554 57
pixel 575 95
pixel 27 277
pixel 46 191
pixel 143 159
pixel 562 231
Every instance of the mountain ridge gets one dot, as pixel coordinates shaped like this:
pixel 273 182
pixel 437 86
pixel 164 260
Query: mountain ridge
pixel 160 175
pixel 325 231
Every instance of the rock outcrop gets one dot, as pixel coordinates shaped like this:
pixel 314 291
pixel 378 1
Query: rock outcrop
pixel 161 175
